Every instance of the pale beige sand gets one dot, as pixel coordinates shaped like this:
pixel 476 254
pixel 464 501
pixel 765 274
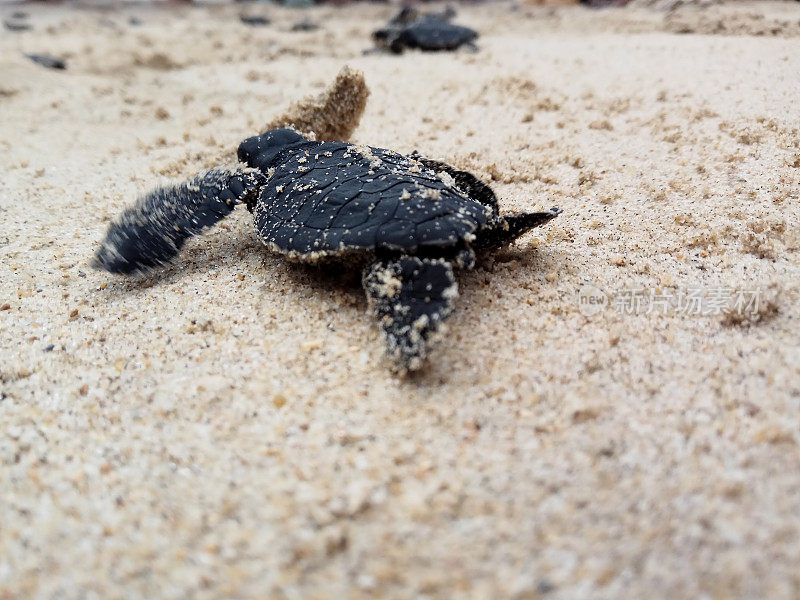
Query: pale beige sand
pixel 227 427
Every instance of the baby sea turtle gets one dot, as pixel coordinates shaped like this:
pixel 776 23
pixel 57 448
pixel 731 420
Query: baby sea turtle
pixel 431 32
pixel 413 220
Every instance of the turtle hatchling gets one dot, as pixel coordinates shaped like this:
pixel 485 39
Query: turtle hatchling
pixel 430 32
pixel 411 220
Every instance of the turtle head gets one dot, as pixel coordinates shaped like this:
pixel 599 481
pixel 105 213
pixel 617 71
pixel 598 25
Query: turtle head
pixel 259 151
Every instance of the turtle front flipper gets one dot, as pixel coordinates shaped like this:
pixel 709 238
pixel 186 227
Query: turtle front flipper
pixel 153 230
pixel 411 297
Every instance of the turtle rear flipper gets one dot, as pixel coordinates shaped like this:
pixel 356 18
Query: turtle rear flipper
pixel 465 181
pixel 507 228
pixel 153 230
pixel 411 297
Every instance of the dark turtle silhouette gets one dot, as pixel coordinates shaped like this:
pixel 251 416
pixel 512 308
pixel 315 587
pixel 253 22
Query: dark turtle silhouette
pixel 431 32
pixel 413 220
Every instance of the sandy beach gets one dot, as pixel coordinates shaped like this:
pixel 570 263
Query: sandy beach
pixel 614 413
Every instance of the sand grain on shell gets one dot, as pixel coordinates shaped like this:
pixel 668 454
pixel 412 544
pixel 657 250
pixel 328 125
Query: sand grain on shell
pixel 227 427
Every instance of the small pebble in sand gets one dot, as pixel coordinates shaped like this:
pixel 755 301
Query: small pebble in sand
pixel 305 25
pixel 16 25
pixel 254 20
pixel 47 61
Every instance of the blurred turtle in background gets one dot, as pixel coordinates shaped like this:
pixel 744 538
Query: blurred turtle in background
pixel 430 32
